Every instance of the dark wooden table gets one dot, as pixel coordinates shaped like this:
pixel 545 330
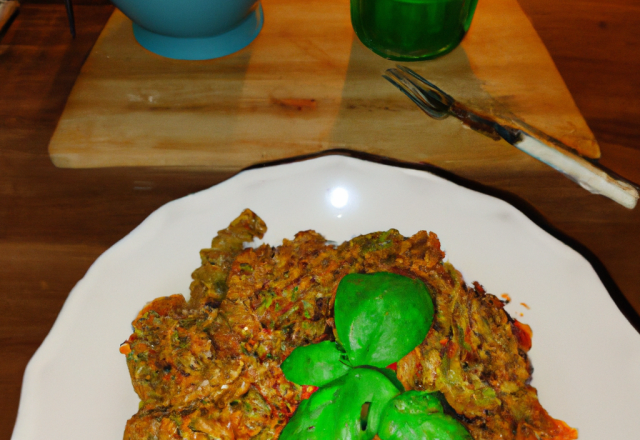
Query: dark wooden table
pixel 55 222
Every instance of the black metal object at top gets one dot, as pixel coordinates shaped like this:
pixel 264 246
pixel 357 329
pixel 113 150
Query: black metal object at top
pixel 72 23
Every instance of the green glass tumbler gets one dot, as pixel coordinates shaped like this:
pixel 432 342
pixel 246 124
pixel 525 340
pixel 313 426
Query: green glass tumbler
pixel 411 30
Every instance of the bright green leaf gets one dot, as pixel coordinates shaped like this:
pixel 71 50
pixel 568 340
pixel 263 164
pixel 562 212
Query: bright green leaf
pixel 418 415
pixel 335 411
pixel 381 317
pixel 391 375
pixel 315 364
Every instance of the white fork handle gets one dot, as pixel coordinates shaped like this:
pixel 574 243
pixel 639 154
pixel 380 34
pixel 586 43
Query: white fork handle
pixel 580 170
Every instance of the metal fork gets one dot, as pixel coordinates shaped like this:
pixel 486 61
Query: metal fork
pixel 439 105
pixel 588 174
pixel 433 101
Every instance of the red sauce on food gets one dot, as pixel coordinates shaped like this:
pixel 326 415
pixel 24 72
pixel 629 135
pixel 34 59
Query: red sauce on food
pixel 523 334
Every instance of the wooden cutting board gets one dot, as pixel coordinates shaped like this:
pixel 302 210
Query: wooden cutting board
pixel 307 84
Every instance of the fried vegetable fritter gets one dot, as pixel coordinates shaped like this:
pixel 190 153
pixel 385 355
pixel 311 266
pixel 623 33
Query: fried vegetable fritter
pixel 209 368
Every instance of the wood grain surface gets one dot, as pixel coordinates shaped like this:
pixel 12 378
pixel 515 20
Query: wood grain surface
pixel 55 222
pixel 307 84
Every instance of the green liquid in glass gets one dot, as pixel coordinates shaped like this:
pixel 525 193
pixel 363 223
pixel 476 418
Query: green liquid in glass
pixel 409 30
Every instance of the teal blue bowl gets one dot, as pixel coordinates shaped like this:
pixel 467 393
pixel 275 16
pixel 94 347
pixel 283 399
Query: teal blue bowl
pixel 193 29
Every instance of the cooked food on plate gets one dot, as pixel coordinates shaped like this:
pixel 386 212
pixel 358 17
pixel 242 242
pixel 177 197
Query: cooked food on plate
pixel 377 336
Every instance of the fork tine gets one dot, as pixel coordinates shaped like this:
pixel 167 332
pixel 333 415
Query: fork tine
pixel 404 89
pixel 407 87
pixel 442 95
pixel 428 104
pixel 435 97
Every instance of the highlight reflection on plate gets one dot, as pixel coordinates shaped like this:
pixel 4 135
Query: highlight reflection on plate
pixel 585 353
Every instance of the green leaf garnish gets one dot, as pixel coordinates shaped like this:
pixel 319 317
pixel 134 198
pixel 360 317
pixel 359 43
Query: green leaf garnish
pixel 418 415
pixel 389 374
pixel 315 364
pixel 335 411
pixel 381 317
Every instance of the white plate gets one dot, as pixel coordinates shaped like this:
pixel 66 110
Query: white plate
pixel 585 353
